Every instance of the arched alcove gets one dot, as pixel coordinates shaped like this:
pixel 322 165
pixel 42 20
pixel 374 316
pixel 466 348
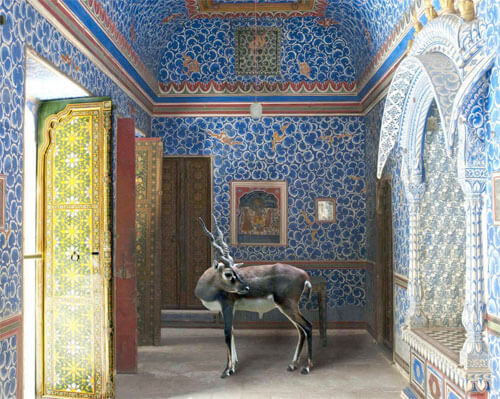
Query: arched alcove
pixel 441 230
pixel 443 173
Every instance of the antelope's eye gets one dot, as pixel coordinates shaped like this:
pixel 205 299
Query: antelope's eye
pixel 228 275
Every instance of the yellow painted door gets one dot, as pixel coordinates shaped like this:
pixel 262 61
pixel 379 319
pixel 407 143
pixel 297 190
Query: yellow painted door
pixel 74 339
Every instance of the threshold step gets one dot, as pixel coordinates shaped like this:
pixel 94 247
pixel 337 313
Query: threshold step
pixel 188 315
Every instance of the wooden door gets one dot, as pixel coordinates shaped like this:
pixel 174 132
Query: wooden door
pixel 75 332
pixel 149 152
pixel 186 250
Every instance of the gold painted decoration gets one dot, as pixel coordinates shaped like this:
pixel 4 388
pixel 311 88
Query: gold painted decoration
pixel 149 152
pixel 75 349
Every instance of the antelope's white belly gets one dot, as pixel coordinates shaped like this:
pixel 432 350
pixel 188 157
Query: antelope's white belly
pixel 213 305
pixel 259 305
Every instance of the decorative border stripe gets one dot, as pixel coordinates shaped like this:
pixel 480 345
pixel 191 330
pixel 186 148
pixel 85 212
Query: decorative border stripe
pixel 493 325
pixel 400 280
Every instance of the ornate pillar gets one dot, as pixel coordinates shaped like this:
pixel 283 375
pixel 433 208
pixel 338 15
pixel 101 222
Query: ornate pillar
pixel 416 317
pixel 474 353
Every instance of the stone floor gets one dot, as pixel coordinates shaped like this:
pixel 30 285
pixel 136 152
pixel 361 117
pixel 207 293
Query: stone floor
pixel 190 361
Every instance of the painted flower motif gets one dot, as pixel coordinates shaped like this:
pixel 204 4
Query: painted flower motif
pixel 72 160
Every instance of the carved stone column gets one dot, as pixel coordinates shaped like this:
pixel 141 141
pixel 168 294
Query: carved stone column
pixel 416 317
pixel 474 353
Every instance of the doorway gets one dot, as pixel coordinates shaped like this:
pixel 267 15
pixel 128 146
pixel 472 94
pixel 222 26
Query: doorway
pixel 384 277
pixel 186 251
pixel 43 82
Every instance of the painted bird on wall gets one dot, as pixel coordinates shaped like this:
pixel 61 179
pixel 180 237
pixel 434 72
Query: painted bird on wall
pixel 190 64
pixel 326 22
pixel 224 138
pixel 278 138
pixel 332 136
pixel 169 18
pixel 310 223
pixel 304 69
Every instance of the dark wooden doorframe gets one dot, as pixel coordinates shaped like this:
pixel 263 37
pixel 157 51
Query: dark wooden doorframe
pixel 384 313
pixel 187 195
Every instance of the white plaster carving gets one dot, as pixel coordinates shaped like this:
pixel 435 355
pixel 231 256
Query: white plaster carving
pixel 440 66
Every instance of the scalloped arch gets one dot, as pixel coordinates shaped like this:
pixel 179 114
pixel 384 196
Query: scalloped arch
pixel 442 57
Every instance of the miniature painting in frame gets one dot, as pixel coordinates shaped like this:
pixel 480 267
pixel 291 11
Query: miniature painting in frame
pixel 496 197
pixel 259 212
pixel 2 202
pixel 326 210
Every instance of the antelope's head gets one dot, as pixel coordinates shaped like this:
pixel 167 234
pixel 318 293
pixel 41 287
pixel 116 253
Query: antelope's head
pixel 227 276
pixel 229 280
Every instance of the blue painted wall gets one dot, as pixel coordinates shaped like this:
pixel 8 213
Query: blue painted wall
pixel 318 157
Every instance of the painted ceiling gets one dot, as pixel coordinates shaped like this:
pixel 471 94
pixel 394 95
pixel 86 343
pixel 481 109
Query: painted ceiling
pixel 147 28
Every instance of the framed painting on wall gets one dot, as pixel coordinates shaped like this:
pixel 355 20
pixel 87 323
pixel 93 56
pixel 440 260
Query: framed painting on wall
pixel 496 197
pixel 259 214
pixel 326 210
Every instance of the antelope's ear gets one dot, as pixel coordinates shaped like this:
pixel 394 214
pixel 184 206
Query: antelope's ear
pixel 217 265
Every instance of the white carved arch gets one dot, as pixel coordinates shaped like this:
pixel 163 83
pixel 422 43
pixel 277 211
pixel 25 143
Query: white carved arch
pixel 447 63
pixel 449 52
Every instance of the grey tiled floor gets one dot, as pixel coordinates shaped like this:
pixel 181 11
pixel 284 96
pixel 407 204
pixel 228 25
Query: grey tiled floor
pixel 190 361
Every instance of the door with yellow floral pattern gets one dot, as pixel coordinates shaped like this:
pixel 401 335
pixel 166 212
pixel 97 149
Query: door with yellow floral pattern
pixel 75 322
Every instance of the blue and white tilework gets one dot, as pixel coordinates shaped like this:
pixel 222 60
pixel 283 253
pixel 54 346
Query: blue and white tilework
pixel 401 306
pixel 344 287
pixel 441 231
pixel 318 157
pixel 8 367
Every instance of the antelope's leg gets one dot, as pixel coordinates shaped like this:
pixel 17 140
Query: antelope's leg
pixel 233 349
pixel 227 315
pixel 308 331
pixel 300 343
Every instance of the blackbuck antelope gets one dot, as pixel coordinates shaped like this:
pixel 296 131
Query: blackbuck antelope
pixel 227 287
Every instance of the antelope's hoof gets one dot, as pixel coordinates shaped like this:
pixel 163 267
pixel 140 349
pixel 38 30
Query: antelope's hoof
pixel 292 367
pixel 305 370
pixel 227 373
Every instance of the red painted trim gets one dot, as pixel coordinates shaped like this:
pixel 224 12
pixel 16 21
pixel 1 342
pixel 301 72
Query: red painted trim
pixel 328 87
pixel 19 332
pixel 124 248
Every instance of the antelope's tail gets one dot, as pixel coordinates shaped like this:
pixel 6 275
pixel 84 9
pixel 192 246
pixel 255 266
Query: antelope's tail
pixel 307 284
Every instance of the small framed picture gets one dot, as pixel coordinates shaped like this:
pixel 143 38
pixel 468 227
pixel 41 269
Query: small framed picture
pixel 2 203
pixel 326 210
pixel 496 197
